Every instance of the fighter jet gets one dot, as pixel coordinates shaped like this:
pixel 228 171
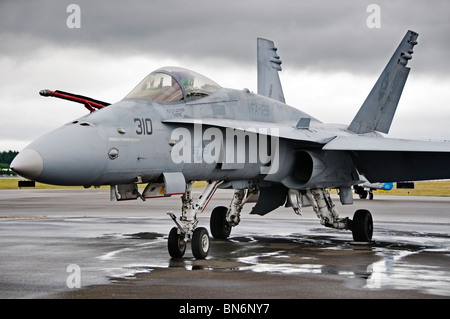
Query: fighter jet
pixel 177 127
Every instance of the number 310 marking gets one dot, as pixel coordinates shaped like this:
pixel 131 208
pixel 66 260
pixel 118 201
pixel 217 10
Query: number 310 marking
pixel 144 126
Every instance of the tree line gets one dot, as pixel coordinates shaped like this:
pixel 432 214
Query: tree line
pixel 6 159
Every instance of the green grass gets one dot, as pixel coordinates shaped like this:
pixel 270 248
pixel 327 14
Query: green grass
pixel 426 188
pixel 11 183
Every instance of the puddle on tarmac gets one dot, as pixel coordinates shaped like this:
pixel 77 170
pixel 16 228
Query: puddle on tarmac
pixel 419 262
pixel 394 271
pixel 377 265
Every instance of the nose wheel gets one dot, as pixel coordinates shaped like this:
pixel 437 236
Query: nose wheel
pixel 199 243
pixel 176 244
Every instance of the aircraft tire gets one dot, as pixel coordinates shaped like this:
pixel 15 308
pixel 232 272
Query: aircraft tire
pixel 176 244
pixel 200 243
pixel 218 224
pixel 362 226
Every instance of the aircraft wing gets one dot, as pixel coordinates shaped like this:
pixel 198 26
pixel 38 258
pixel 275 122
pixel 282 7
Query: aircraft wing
pixel 385 159
pixel 377 144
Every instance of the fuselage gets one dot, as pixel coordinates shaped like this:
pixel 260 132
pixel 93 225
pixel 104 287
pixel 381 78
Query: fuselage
pixel 231 135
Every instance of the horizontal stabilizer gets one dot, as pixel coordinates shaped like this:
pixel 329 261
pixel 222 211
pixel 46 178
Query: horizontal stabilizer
pixel 377 111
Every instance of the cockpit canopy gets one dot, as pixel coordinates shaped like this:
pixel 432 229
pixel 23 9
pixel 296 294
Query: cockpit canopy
pixel 171 84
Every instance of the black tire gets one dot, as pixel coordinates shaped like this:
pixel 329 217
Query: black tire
pixel 176 244
pixel 200 243
pixel 362 226
pixel 220 228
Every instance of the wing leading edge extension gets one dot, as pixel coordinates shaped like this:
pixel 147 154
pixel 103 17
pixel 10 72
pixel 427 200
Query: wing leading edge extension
pixel 273 129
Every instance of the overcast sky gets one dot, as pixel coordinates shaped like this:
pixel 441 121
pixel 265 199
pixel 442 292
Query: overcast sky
pixel 331 57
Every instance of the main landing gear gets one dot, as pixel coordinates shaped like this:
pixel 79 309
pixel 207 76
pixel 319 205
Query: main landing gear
pixel 223 218
pixel 361 225
pixel 186 229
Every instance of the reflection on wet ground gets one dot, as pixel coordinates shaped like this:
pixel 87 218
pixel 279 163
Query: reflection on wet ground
pixel 389 268
pixel 42 232
pixel 415 263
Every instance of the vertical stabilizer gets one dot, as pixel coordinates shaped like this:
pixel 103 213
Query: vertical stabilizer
pixel 269 64
pixel 377 111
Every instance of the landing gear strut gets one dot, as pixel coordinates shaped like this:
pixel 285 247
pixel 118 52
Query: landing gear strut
pixel 223 218
pixel 361 225
pixel 186 229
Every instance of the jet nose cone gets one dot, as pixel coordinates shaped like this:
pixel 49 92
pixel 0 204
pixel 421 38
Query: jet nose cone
pixel 73 154
pixel 28 164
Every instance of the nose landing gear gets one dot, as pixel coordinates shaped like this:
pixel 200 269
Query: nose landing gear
pixel 199 243
pixel 186 229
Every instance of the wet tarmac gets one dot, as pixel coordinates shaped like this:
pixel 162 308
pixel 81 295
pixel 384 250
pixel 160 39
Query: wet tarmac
pixel 78 244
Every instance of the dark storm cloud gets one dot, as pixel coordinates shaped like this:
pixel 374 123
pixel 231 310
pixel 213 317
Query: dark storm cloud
pixel 325 35
pixel 121 41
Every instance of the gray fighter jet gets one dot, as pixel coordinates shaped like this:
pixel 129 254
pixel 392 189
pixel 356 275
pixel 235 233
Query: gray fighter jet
pixel 177 127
